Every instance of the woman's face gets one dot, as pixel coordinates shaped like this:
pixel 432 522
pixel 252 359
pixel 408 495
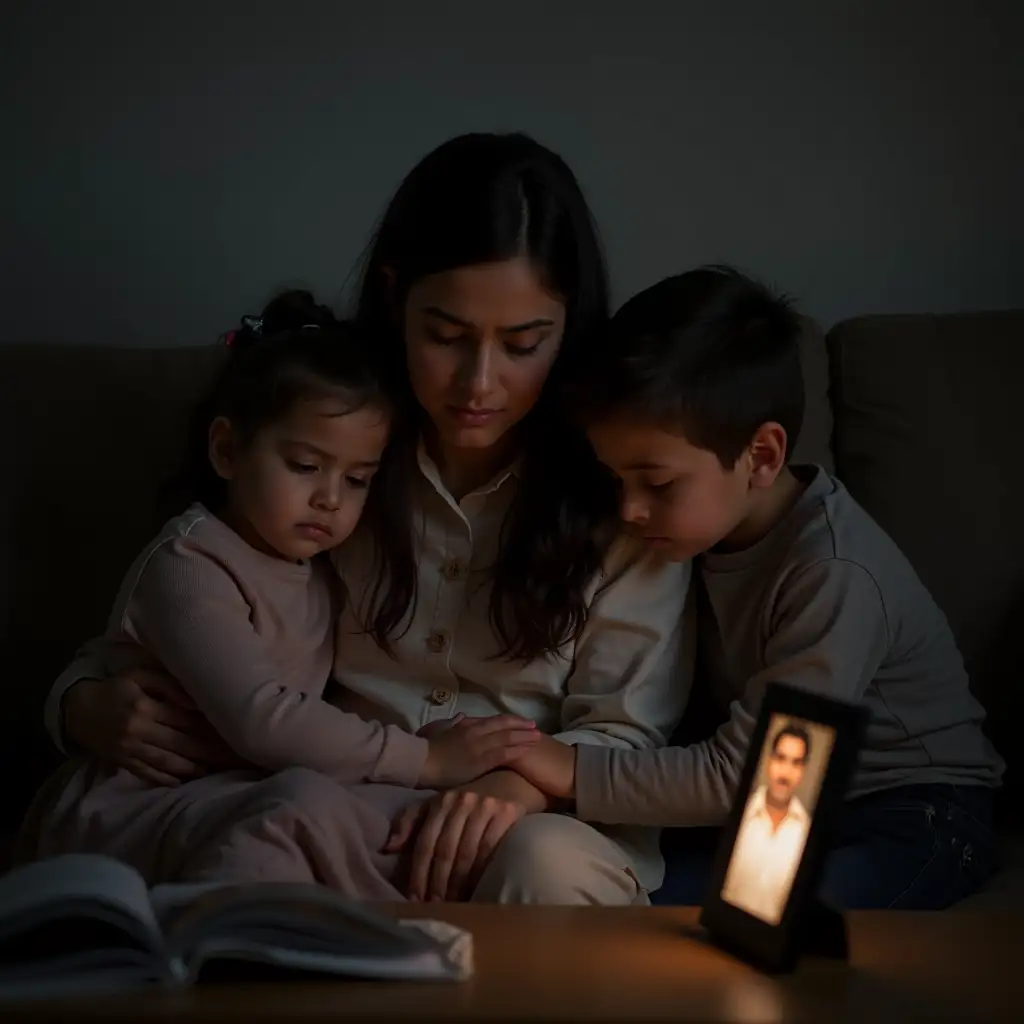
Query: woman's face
pixel 480 343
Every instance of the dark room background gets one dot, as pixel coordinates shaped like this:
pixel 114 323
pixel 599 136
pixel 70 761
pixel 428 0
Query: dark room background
pixel 168 165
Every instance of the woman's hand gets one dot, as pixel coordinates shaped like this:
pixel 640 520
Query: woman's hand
pixel 144 721
pixel 455 833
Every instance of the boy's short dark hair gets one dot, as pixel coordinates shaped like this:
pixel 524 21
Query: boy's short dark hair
pixel 710 353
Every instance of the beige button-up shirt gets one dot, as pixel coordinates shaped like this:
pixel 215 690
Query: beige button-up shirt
pixel 765 858
pixel 623 684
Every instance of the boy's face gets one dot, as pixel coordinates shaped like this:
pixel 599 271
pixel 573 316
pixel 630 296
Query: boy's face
pixel 675 495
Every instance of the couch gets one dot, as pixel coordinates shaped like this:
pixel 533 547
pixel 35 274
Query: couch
pixel 916 414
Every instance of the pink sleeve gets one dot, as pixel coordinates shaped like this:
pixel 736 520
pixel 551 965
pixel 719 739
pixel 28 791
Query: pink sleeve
pixel 188 611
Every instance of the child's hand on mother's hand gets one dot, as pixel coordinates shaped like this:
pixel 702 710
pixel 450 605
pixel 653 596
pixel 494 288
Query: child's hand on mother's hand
pixel 472 747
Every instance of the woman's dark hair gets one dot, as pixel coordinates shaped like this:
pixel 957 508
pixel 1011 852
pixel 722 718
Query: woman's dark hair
pixel 485 198
pixel 295 350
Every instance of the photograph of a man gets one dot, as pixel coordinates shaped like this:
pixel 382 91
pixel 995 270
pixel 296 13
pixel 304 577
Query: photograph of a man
pixel 773 832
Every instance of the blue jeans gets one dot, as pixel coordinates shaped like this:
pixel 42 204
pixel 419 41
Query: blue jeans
pixel 909 848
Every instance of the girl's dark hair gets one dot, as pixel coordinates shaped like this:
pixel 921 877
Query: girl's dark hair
pixel 484 198
pixel 295 350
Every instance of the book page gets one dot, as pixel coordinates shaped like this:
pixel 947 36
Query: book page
pixel 307 927
pixel 85 973
pixel 299 912
pixel 454 964
pixel 169 899
pixel 74 883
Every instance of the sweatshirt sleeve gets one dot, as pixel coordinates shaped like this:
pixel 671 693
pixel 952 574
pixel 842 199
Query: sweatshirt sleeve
pixel 828 635
pixel 190 613
pixel 89 663
pixel 633 664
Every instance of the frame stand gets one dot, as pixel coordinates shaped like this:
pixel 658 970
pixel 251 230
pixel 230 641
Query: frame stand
pixel 822 932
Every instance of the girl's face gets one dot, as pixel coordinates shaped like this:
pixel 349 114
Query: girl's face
pixel 298 487
pixel 480 343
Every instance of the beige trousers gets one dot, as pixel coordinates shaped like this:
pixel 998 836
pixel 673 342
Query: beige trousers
pixel 333 834
pixel 556 859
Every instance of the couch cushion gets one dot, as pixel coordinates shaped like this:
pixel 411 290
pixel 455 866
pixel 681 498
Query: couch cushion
pixel 93 433
pixel 813 444
pixel 926 437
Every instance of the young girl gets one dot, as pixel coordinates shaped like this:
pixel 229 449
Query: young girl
pixel 234 597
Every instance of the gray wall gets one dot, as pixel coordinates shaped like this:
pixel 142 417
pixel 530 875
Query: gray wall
pixel 167 165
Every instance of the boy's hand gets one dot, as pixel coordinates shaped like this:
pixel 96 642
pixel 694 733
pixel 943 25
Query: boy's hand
pixel 551 767
pixel 471 747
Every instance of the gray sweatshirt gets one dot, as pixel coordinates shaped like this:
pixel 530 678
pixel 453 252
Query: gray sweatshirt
pixel 826 602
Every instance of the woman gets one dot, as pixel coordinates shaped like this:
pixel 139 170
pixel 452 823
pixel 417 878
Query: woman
pixel 504 591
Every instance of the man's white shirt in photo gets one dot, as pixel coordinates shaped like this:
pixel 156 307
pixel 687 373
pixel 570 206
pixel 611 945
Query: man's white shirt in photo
pixel 765 858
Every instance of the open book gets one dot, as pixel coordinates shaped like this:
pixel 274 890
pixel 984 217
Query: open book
pixel 84 924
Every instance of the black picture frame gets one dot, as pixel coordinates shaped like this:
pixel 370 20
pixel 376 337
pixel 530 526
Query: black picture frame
pixel 806 925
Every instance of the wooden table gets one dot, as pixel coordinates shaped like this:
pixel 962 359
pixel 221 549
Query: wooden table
pixel 635 964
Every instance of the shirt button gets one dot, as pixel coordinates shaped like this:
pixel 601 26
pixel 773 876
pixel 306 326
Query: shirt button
pixel 437 641
pixel 440 696
pixel 453 570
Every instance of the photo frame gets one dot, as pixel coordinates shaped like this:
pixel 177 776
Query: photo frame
pixel 762 902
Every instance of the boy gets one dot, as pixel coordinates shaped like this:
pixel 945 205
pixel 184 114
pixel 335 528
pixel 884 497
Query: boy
pixel 694 403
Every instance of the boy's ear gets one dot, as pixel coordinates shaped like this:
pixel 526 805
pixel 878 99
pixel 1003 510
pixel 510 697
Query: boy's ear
pixel 222 448
pixel 767 453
